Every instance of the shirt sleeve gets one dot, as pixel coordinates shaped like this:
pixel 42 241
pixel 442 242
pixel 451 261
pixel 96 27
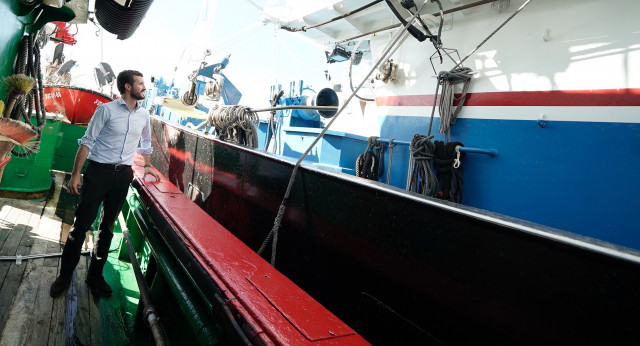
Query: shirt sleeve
pixel 93 129
pixel 145 140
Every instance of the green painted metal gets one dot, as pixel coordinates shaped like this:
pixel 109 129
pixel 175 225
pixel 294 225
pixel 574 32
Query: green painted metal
pixel 32 173
pixel 137 241
pixel 197 311
pixel 118 313
pixel 134 203
pixel 11 30
pixel 66 152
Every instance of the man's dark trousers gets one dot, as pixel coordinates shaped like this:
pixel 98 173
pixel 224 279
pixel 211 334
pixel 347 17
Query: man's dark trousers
pixel 106 184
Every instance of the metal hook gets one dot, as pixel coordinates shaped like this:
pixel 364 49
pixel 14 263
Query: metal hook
pixel 456 161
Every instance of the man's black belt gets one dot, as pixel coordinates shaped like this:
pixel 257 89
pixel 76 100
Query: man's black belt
pixel 111 166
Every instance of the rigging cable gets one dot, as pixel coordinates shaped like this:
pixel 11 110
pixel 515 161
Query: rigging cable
pixel 435 39
pixel 493 33
pixel 353 54
pixel 273 234
pixel 305 28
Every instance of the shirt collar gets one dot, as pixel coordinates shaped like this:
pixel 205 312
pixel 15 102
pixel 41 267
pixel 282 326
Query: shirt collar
pixel 120 101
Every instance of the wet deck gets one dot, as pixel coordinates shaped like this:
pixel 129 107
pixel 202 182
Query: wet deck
pixel 28 315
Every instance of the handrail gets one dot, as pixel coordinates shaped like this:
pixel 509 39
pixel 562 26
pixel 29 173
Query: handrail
pixel 490 152
pixel 149 310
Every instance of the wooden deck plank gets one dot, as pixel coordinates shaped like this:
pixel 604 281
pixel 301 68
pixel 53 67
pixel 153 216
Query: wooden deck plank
pixel 51 225
pixel 43 312
pixel 18 321
pixel 95 322
pixel 5 228
pixel 9 272
pixel 81 323
pixel 29 319
pixel 51 228
pixel 18 293
pixel 58 317
pixel 30 315
pixel 42 308
pixel 8 223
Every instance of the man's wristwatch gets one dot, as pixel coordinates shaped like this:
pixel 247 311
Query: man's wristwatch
pixel 147 165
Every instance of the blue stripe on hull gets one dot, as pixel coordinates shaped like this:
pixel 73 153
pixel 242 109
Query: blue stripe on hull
pixel 583 177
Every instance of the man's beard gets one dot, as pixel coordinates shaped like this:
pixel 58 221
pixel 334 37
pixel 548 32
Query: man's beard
pixel 139 96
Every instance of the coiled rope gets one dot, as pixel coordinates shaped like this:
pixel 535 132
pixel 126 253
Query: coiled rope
pixel 235 124
pixel 448 164
pixel 422 179
pixel 369 165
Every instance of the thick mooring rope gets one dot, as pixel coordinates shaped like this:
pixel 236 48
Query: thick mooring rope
pixel 28 63
pixel 369 165
pixel 448 166
pixel 422 179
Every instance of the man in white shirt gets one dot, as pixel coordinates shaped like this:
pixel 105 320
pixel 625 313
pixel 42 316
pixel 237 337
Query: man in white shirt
pixel 110 143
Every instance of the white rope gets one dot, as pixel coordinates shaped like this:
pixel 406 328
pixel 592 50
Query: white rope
pixel 235 124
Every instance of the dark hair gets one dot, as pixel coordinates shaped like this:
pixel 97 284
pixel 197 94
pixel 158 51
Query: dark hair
pixel 125 77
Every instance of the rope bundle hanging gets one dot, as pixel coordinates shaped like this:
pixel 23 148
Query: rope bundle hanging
pixel 448 164
pixel 448 80
pixel 28 63
pixel 235 124
pixel 421 178
pixel 369 165
pixel 456 70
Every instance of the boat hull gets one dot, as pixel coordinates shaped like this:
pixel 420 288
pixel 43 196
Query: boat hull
pixel 401 268
pixel 77 104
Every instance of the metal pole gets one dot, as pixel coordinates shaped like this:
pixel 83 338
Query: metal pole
pixel 149 311
pixel 490 152
pixel 44 255
pixel 437 14
pixel 320 108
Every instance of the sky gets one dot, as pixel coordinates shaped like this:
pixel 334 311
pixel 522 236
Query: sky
pixel 260 54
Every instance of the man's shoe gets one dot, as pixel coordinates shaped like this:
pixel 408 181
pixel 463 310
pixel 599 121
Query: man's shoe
pixel 98 286
pixel 59 286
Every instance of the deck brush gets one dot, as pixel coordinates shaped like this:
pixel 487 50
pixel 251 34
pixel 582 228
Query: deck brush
pixel 18 85
pixel 14 132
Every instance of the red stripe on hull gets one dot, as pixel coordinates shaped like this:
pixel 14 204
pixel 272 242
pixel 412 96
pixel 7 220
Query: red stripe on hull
pixel 590 98
pixel 275 308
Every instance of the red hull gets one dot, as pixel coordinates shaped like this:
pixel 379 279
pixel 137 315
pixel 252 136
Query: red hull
pixel 77 104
